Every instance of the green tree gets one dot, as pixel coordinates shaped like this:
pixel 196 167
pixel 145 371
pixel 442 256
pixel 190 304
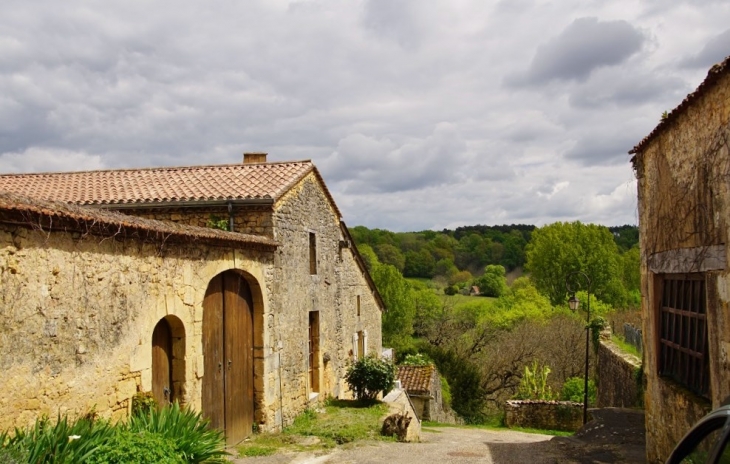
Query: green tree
pixel 559 249
pixel 399 305
pixel 389 254
pixel 369 256
pixel 419 264
pixel 493 283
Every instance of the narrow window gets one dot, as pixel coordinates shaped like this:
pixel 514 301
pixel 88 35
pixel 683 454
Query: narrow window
pixel 683 349
pixel 312 253
pixel 358 306
pixel 314 351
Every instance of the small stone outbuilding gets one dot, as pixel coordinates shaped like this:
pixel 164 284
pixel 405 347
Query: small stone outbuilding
pixel 683 167
pixel 249 325
pixel 423 386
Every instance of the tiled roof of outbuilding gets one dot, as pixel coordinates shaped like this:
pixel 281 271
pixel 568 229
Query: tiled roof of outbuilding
pixel 155 186
pixel 416 379
pixel 713 76
pixel 56 216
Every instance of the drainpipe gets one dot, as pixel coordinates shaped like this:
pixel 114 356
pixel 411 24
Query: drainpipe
pixel 230 216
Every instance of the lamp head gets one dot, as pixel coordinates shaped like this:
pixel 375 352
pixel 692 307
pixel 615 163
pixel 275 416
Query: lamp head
pixel 573 303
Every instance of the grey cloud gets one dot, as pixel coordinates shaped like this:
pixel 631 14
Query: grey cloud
pixel 604 148
pixel 714 51
pixel 367 164
pixel 622 87
pixel 585 45
pixel 394 19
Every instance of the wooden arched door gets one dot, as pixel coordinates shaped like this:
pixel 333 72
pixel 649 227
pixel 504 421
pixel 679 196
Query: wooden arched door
pixel 228 356
pixel 162 390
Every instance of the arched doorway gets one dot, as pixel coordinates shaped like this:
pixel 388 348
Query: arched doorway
pixel 162 363
pixel 228 387
pixel 168 361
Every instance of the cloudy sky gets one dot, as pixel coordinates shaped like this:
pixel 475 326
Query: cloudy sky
pixel 420 114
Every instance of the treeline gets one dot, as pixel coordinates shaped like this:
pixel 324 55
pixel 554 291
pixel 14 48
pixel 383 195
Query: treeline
pixel 483 346
pixel 458 255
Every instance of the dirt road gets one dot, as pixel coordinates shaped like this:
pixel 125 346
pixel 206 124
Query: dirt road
pixel 615 437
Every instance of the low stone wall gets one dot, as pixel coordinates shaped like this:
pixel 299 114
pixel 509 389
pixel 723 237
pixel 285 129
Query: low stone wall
pixel 547 415
pixel 619 383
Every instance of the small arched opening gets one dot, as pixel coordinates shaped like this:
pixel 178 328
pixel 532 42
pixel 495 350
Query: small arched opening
pixel 168 361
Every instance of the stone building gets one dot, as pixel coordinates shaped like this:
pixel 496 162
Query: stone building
pixel 248 325
pixel 683 167
pixel 423 386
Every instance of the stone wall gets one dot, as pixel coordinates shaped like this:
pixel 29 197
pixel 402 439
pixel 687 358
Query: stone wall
pixel 619 379
pixel 77 314
pixel 684 205
pixel 546 415
pixel 254 220
pixel 333 291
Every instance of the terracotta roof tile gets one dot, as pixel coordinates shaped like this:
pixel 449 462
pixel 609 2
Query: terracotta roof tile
pixel 50 215
pixel 263 181
pixel 713 75
pixel 416 379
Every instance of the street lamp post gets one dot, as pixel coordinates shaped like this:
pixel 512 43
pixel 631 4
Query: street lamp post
pixel 574 304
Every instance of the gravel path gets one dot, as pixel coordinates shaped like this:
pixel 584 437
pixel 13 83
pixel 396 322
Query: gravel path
pixel 614 436
pixel 444 445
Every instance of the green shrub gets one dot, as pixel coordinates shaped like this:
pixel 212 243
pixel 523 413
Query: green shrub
pixel 417 359
pixel 369 376
pixel 63 441
pixel 194 441
pixel 143 402
pixel 573 390
pixel 142 447
pixel 445 392
pixel 533 385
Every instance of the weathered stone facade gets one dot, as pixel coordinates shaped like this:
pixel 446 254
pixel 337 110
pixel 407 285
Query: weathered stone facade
pixel 78 313
pixel 682 169
pixel 81 309
pixel 620 379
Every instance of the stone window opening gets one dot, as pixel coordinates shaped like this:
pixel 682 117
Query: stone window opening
pixel 360 344
pixel 312 253
pixel 313 363
pixel 682 320
pixel 358 306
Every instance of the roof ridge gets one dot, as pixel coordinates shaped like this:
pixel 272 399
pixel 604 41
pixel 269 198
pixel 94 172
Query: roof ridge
pixel 153 168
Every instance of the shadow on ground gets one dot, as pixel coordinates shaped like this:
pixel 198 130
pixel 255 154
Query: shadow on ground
pixel 614 435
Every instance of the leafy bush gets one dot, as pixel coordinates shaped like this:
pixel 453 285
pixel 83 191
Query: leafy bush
pixel 65 441
pixel 126 446
pixel 533 385
pixel 193 440
pixel 451 290
pixel 418 359
pixel 573 390
pixel 143 402
pixel 369 376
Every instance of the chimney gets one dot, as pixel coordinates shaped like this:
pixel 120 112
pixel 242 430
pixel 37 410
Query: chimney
pixel 254 158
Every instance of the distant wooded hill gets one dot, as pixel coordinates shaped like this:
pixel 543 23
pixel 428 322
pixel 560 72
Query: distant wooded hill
pixel 429 253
